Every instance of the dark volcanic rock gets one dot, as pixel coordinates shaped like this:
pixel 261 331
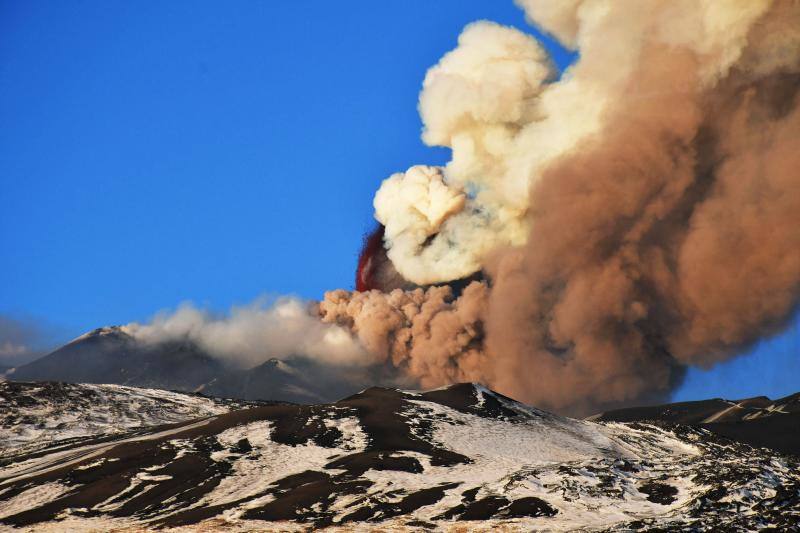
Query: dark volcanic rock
pixel 755 421
pixel 403 459
pixel 301 381
pixel 35 417
pixel 659 492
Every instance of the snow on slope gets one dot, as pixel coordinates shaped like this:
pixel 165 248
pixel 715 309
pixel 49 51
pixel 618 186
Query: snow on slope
pixel 759 421
pixel 707 411
pixel 462 457
pixel 40 415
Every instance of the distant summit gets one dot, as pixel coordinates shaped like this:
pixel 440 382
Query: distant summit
pixel 757 421
pixel 111 355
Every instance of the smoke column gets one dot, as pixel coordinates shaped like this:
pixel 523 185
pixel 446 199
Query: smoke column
pixel 638 215
pixel 634 216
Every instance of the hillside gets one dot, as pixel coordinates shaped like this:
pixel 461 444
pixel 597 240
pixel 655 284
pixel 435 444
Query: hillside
pixel 410 460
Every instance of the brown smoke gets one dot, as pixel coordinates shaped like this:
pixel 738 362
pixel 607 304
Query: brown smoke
pixel 425 332
pixel 637 215
pixel 670 237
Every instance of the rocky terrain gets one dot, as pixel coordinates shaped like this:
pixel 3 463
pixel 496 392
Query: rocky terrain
pixel 112 355
pixel 50 415
pixel 756 421
pixel 460 458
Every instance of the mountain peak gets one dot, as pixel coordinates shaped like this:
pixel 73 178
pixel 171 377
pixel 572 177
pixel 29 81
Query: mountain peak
pixel 106 331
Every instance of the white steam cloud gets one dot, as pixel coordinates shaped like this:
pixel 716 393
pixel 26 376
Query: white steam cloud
pixel 493 100
pixel 249 335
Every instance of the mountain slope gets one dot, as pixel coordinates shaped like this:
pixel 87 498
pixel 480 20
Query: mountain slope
pixel 48 415
pixel 111 355
pixel 461 455
pixel 756 421
pixel 299 382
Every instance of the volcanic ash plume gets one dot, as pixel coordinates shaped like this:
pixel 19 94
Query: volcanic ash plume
pixel 636 215
pixel 433 338
pixel 251 334
pixel 632 216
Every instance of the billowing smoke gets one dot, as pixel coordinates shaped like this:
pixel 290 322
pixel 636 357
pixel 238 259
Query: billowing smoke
pixel 634 215
pixel 637 215
pixel 249 335
pixel 425 332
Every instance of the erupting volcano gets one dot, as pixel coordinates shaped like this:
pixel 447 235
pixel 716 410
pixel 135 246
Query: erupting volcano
pixel 375 270
pixel 603 228
pixel 596 232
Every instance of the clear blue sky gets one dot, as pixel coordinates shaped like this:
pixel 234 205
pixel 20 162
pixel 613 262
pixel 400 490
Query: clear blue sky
pixel 157 152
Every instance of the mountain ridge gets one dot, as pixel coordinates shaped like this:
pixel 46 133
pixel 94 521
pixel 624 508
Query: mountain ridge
pixel 758 421
pixel 111 355
pixel 410 460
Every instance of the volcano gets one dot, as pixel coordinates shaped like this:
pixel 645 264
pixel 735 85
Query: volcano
pixel 375 270
pixel 110 355
pixel 462 456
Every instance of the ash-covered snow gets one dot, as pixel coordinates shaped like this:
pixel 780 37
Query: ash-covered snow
pixel 458 458
pixel 42 415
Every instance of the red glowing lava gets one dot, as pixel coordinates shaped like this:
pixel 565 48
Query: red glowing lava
pixel 376 271
pixel 370 261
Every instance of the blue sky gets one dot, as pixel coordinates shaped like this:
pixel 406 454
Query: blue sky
pixel 153 153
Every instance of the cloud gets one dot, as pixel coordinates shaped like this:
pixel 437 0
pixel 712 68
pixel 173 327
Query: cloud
pixel 251 334
pixel 22 340
pixel 634 217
